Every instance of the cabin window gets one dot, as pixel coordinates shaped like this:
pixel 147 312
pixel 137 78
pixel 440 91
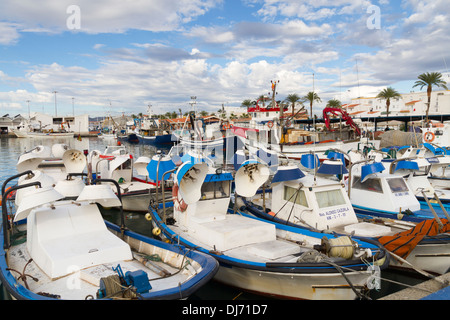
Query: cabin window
pixel 215 190
pixel 397 185
pixel 371 184
pixel 330 198
pixel 296 196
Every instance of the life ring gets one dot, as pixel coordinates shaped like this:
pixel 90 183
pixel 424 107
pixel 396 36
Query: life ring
pixel 9 196
pixel 180 205
pixel 270 124
pixel 225 127
pixel 427 138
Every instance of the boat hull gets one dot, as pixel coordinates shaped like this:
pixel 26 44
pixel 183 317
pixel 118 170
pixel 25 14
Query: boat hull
pixel 23 134
pixel 431 255
pixel 165 139
pixel 209 268
pixel 291 285
pixel 288 281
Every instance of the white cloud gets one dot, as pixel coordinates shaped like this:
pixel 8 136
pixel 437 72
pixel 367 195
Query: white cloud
pixel 111 16
pixel 8 33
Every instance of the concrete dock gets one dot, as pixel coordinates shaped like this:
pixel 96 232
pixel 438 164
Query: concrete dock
pixel 433 289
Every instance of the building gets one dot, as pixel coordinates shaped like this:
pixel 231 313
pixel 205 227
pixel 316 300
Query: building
pixel 40 121
pixel 413 103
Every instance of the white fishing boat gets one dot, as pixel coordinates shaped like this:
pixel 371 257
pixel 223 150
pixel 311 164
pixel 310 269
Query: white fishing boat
pixel 270 127
pixel 117 164
pixel 256 255
pixel 68 251
pixel 58 165
pixel 34 129
pixel 417 171
pixel 316 202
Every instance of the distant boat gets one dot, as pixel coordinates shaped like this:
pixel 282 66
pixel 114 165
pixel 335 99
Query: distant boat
pixel 272 127
pixel 42 134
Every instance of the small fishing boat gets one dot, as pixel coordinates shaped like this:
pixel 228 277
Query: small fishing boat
pixel 272 127
pixel 316 202
pixel 256 255
pixel 425 175
pixel 118 164
pixel 398 186
pixel 67 251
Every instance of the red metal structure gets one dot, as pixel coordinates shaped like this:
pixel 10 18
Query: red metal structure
pixel 344 115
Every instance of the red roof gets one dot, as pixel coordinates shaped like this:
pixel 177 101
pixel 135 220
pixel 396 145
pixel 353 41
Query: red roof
pixel 350 105
pixel 412 102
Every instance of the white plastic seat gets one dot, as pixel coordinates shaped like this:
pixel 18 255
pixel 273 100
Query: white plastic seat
pixel 71 237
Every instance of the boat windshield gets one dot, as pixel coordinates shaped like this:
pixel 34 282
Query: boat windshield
pixel 215 190
pixel 371 184
pixel 296 196
pixel 397 185
pixel 330 198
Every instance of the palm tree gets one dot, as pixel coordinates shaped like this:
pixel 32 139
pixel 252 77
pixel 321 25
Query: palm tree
pixel 388 94
pixel 293 98
pixel 246 103
pixel 312 97
pixel 334 103
pixel 429 80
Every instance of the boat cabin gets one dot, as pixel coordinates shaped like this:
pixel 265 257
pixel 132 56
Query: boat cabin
pixel 380 190
pixel 317 202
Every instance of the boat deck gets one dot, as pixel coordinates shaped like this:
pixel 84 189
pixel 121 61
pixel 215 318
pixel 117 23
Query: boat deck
pixel 84 284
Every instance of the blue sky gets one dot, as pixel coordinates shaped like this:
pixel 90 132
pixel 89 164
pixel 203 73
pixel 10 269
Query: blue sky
pixel 116 56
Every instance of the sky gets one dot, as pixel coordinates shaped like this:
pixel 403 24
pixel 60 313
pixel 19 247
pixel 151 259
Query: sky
pixel 120 56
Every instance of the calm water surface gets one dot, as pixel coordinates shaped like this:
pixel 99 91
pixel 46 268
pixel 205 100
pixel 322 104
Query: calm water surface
pixel 12 148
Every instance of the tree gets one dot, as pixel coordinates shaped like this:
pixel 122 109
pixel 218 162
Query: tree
pixel 312 97
pixel 388 94
pixel 429 80
pixel 293 99
pixel 334 103
pixel 246 103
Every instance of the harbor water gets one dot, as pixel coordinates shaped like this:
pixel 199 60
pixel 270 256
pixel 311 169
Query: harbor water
pixel 11 148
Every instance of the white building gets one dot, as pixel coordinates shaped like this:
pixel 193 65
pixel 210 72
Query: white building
pixel 76 124
pixel 413 103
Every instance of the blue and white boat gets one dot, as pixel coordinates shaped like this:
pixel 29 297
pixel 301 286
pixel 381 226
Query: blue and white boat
pixel 67 251
pixel 401 187
pixel 257 255
pixel 317 202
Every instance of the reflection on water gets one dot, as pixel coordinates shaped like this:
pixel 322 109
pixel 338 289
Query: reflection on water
pixel 12 148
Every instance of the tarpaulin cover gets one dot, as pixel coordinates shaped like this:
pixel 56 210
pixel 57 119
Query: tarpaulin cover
pixel 403 243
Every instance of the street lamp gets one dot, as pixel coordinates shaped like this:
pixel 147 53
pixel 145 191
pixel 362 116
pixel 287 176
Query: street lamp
pixel 56 111
pixel 29 116
pixel 73 109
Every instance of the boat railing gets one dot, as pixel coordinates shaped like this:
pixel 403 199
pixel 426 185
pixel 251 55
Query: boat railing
pixel 436 217
pixel 5 221
pixel 394 163
pixel 350 167
pixel 163 192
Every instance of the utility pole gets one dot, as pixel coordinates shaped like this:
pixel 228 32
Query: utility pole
pixel 29 115
pixel 56 110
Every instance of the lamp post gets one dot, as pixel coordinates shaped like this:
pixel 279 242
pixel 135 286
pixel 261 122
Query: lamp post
pixel 73 109
pixel 29 115
pixel 56 111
